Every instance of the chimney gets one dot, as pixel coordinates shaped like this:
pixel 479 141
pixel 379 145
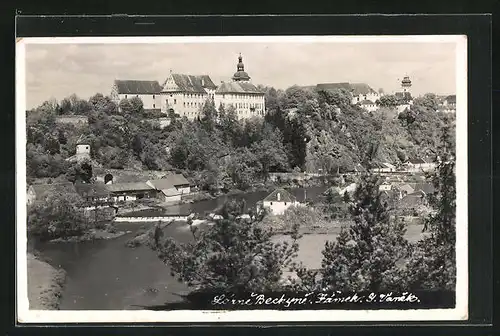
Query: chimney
pixel 278 197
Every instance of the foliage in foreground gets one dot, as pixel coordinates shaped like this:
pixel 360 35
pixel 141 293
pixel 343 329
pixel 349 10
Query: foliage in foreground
pixel 234 254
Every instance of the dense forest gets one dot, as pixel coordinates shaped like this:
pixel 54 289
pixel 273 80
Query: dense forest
pixel 303 130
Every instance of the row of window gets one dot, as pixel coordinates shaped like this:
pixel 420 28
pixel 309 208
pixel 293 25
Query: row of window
pixel 235 96
pixel 244 105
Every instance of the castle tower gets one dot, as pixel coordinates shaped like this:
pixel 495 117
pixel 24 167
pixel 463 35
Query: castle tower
pixel 240 75
pixel 406 84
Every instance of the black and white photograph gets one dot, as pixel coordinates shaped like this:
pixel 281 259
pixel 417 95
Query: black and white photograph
pixel 232 179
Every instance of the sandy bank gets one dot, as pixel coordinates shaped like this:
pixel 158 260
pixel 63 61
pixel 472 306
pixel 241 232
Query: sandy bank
pixel 45 284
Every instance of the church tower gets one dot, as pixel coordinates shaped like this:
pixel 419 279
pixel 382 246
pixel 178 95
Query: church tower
pixel 240 75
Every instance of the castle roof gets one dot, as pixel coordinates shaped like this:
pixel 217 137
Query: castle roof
pixel 239 87
pixel 137 87
pixel 192 83
pixel 355 88
pixel 240 74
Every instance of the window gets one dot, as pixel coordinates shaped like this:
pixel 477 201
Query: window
pixel 153 96
pixel 153 105
pixel 285 203
pixel 125 96
pixel 170 95
pixel 271 203
pixel 175 101
pixel 137 96
pixel 184 104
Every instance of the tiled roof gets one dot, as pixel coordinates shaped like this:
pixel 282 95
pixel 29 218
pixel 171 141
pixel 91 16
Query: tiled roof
pixel 367 102
pixel 137 87
pixel 285 196
pixel 191 83
pixel 238 87
pixel 451 99
pixel 42 189
pixel 132 186
pixel 169 181
pixel 91 189
pixel 355 88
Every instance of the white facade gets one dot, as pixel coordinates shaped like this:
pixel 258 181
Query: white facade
pixel 149 101
pixel 369 106
pixel 278 207
pixel 246 105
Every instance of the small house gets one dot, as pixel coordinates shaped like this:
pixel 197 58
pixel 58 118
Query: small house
pixel 130 191
pixel 368 105
pixel 383 167
pixel 279 200
pixel 420 165
pixel 171 187
pixel 386 186
pixel 93 192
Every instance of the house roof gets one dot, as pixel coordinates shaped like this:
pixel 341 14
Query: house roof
pixel 285 196
pixel 42 189
pixel 451 99
pixel 193 83
pixel 239 87
pixel 137 87
pixel 169 181
pixel 366 102
pixel 91 189
pixel 412 199
pixel 131 186
pixel 355 88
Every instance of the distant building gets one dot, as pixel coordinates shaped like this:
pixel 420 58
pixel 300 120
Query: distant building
pixel 147 91
pixel 130 191
pixel 419 165
pixel 378 167
pixel 245 97
pixel 82 151
pixel 185 95
pixel 449 104
pixel 404 95
pixel 93 192
pixel 279 200
pixel 368 105
pixel 171 188
pixel 359 91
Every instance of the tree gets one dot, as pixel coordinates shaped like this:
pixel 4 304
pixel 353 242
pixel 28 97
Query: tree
pixel 57 215
pixel 429 101
pixel 433 263
pixel 80 172
pixel 103 103
pixel 132 107
pixel 387 101
pixel 364 256
pixel 270 152
pixel 243 168
pixel 233 255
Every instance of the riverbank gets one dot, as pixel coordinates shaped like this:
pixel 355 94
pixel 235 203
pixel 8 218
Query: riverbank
pixel 45 284
pixel 94 234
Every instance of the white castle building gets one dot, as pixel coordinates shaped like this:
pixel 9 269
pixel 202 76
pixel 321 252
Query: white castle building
pixel 185 94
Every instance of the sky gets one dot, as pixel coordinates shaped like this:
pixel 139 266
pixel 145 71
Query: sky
pixel 59 70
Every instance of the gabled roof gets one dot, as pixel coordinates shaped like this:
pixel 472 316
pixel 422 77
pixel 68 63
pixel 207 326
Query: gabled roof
pixel 355 88
pixel 417 161
pixel 366 102
pixel 238 87
pixel 91 189
pixel 169 181
pixel 137 87
pixel 361 89
pixel 451 99
pixel 132 186
pixel 43 189
pixel 285 196
pixel 192 83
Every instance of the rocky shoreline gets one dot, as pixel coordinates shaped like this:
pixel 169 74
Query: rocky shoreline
pixel 91 235
pixel 45 284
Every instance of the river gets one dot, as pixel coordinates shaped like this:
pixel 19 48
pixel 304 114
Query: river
pixel 107 275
